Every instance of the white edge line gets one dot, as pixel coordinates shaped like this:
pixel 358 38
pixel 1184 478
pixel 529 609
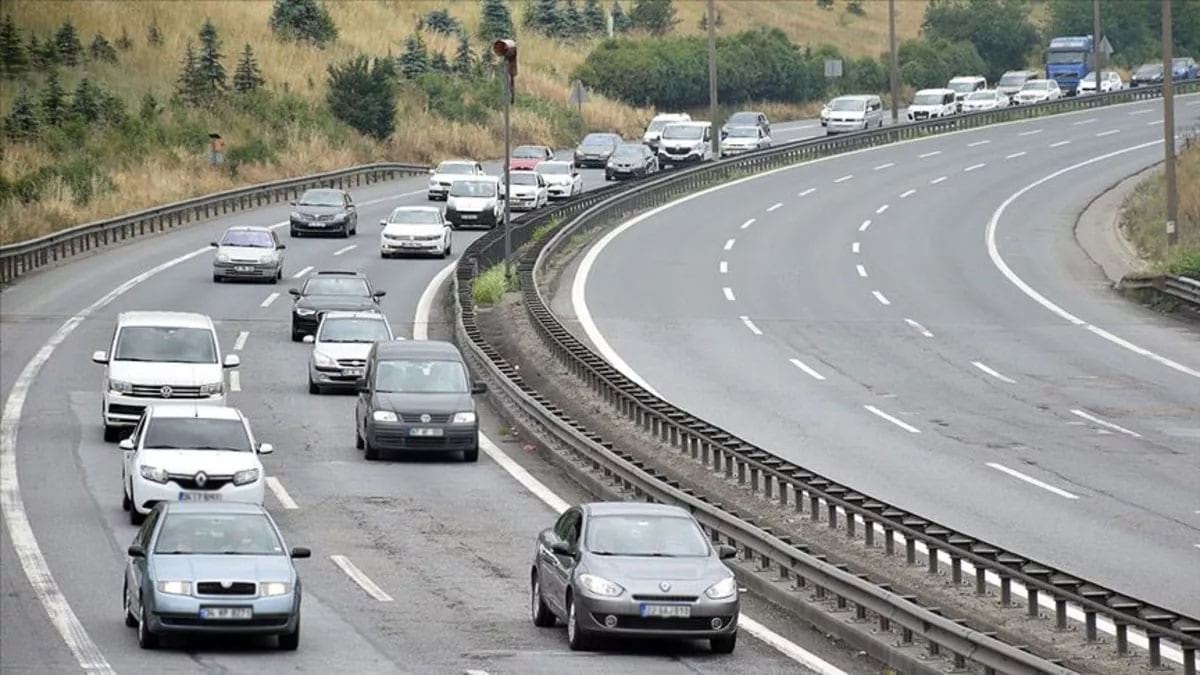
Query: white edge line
pixel 728 293
pixel 993 372
pixel 750 324
pixel 803 366
pixel 240 342
pixel 1032 481
pixel 302 272
pixel 357 576
pixel 898 422
pixel 281 495
pixel 420 328
pixel 880 297
pixel 1104 423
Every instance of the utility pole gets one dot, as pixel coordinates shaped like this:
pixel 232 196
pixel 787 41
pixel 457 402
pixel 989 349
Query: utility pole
pixel 895 62
pixel 1096 41
pixel 1169 127
pixel 712 78
pixel 507 50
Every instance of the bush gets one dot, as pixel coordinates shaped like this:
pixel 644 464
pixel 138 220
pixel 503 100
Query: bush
pixel 1001 31
pixel 490 286
pixel 303 21
pixel 927 64
pixel 254 151
pixel 361 96
pixel 440 21
pixel 495 21
pixel 1133 28
pixel 656 17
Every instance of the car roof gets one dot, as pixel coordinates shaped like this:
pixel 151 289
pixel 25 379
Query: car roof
pixel 632 509
pixel 197 410
pixel 334 190
pixel 458 160
pixel 856 97
pixel 166 319
pixel 747 112
pixel 967 78
pixel 247 508
pixel 938 90
pixel 247 228
pixel 420 209
pixel 338 273
pixel 401 349
pixel 548 162
pixel 691 123
pixel 474 179
pixel 343 314
pixel 672 116
pixel 540 147
pixel 529 170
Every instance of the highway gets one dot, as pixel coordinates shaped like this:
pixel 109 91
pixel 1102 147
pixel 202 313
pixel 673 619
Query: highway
pixel 917 321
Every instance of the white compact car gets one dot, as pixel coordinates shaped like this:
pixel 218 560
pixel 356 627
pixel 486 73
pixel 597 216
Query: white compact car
pixel 340 348
pixel 988 99
pixel 964 85
pixel 932 103
pixel 160 357
pixel 1038 91
pixel 474 202
pixel 654 130
pixel 685 143
pixel 1109 81
pixel 740 140
pixel 415 229
pixel 529 190
pixel 193 453
pixel 248 253
pixel 449 171
pixel 854 113
pixel 562 179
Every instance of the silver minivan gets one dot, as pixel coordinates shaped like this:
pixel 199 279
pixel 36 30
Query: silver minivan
pixel 854 113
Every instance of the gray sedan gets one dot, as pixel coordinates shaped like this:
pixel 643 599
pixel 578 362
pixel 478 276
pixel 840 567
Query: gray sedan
pixel 248 253
pixel 628 569
pixel 211 567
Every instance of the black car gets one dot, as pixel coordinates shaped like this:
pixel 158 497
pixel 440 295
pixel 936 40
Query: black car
pixel 324 211
pixel 631 160
pixel 415 395
pixel 330 290
pixel 1147 74
pixel 747 118
pixel 595 149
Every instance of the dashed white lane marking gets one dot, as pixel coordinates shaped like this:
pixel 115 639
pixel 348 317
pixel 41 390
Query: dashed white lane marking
pixel 865 224
pixel 919 328
pixel 1154 123
pixel 1142 112
pixel 1104 423
pixel 977 144
pixel 898 422
pixel 975 166
pixel 881 167
pixel 907 193
pixel 1082 122
pixel 1110 132
pixel 1030 133
pixel 771 208
pixel 746 224
pixel 240 342
pixel 278 225
pixel 302 272
pixel 728 293
pixel 991 371
pixel 343 249
pixel 879 296
pixel 924 155
pixel 862 271
pixel 854 248
pixel 724 267
pixel 356 575
pixel 881 209
pixel 1059 144
pixel 269 300
pixel 281 495
pixel 937 180
pixel 845 178
pixel 750 324
pixel 729 245
pixel 1032 481
pixel 807 192
pixel 235 381
pixel 803 366
pixel 1016 155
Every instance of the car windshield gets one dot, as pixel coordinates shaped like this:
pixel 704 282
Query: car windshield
pixel 743 132
pixel 353 330
pixel 415 216
pixel 473 188
pixel 656 536
pixel 962 87
pixel 1036 85
pixel 166 344
pixel 336 286
pixel 1013 80
pixel 688 132
pixel 1149 70
pixel 321 198
pixel 217 534
pixel 1066 57
pixel 929 98
pixel 597 140
pixel 456 167
pixel 250 238
pixel 524 178
pixel 196 433
pixel 529 152
pixel 1181 63
pixel 981 96
pixel 420 377
pixel 743 119
pixel 628 151
pixel 845 104
pixel 554 168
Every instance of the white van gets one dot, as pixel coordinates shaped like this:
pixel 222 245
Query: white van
pixel 655 128
pixel 931 103
pixel 854 113
pixel 685 143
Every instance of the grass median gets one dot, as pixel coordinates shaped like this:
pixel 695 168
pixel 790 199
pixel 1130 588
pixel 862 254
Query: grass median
pixel 1143 218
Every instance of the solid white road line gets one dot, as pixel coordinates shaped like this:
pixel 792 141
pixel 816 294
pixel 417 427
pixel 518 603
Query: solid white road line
pixel 879 296
pixel 802 366
pixel 898 422
pixel 919 328
pixel 977 144
pixel 1110 132
pixel 342 250
pixel 855 247
pixel 746 224
pixel 1030 133
pixel 1142 112
pixel 1060 144
pixel 269 300
pixel 724 267
pixel 278 225
pixel 356 575
pixel 998 261
pixel 240 342
pixel 281 495
pixel 302 272
pixel 1104 423
pixel 1154 123
pixel 729 244
pixel 750 324
pixel 975 166
pixel 807 192
pixel 1082 122
pixel 865 224
pixel 924 155
pixel 990 371
pixel 771 208
pixel 881 167
pixel 1032 481
pixel 1016 155
pixel 420 329
pixel 937 180
pixel 235 380
pixel 728 293
pixel 862 271
pixel 881 209
pixel 845 178
pixel 907 193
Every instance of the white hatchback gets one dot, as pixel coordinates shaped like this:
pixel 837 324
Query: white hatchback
pixel 340 348
pixel 562 179
pixel 415 229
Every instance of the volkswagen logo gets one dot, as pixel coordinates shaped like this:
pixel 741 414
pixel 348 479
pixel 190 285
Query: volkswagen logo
pixel 166 392
pixel 664 586
pixel 425 418
pixel 201 479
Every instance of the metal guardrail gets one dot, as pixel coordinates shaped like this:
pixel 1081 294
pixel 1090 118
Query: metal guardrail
pixel 21 258
pixel 777 479
pixel 1181 288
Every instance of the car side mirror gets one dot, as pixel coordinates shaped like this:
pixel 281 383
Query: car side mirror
pixel 479 388
pixel 360 385
pixel 292 202
pixel 301 552
pixel 232 361
pixel 562 548
pixel 136 551
pixel 308 339
pixel 294 291
pixel 383 223
pixel 126 443
pixel 100 357
pixel 379 294
pixel 280 247
pixel 265 448
pixel 726 552
pixel 431 172
pixel 214 244
pixel 351 207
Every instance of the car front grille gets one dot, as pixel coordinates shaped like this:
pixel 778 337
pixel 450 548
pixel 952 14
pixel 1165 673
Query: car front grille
pixel 665 598
pixel 188 482
pixel 235 588
pixel 920 115
pixel 168 391
pixel 434 418
pixel 696 623
pixel 352 363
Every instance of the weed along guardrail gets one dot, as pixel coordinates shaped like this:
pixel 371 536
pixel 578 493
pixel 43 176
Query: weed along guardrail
pixel 19 259
pixel 899 620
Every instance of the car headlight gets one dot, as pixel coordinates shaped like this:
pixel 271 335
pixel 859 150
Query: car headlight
pixel 271 588
pixel 223 257
pixel 304 311
pixel 175 587
pixel 245 476
pixel 119 387
pixel 465 417
pixel 323 360
pixel 341 216
pixel 433 182
pixel 295 215
pixel 384 416
pixel 724 588
pixel 153 473
pixel 600 586
pixel 212 388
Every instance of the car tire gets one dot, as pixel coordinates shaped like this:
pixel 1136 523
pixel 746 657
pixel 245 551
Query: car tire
pixel 290 642
pixel 358 440
pixel 724 644
pixel 314 388
pixel 345 232
pixel 539 611
pixel 217 278
pixel 370 452
pixel 146 639
pixel 577 639
pixel 131 621
pixel 135 518
pixel 126 502
pixel 471 455
pixel 297 336
pixel 111 434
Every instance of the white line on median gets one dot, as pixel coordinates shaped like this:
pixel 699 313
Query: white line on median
pixel 774 206
pixel 1030 133
pixel 1104 423
pixel 898 422
pixel 1110 132
pixel 750 324
pixel 879 296
pixel 862 271
pixel 729 244
pixel 269 300
pixel 302 272
pixel 975 166
pixel 1032 481
pixel 728 293
pixel 855 247
pixel 907 193
pixel 724 267
pixel 281 495
pixel 807 192
pixel 865 224
pixel 342 250
pixel 990 371
pixel 845 178
pixel 919 328
pixel 240 342
pixel 977 144
pixel 1060 144
pixel 1016 155
pixel 881 167
pixel 356 575
pixel 802 366
pixel 924 155
pixel 235 381
pixel 881 209
pixel 937 180
pixel 747 224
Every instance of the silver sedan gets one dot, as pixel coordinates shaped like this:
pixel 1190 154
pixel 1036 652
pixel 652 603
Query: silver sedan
pixel 626 569
pixel 247 252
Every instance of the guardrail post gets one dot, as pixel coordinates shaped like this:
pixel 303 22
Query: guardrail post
pixel 741 471
pixel 910 550
pixel 754 476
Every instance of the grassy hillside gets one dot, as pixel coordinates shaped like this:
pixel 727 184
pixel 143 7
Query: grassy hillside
pixel 292 133
pixel 1143 217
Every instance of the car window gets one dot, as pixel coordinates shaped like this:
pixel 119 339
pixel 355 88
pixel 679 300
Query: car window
pixel 473 188
pixel 322 198
pixel 196 433
pixel 524 178
pixel 529 152
pixel 415 216
pixel 250 238
pixel 217 534
pixel 352 330
pixel 396 376
pixel 683 131
pixel 567 527
pixel 560 168
pixel 642 535
pixel 630 151
pixel 336 286
pixel 166 344
pixel 146 532
pixel 456 168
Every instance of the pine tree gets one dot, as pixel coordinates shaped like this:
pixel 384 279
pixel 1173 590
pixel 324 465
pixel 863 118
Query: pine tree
pixel 153 34
pixel 361 96
pixel 42 55
pixel 438 63
pixel 621 20
pixel 495 21
pixel 22 123
pixel 440 21
pixel 112 109
pixel 189 88
pixel 148 111
pixel 414 62
pixel 593 17
pixel 247 77
pixel 86 103
pixel 211 73
pixel 66 42
pixel 543 16
pixel 124 43
pixel 54 100
pixel 303 21
pixel 487 63
pixel 464 60
pixel 102 50
pixel 12 53
pixel 571 22
pixel 656 17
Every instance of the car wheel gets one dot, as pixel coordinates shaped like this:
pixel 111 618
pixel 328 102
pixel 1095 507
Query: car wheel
pixel 724 644
pixel 345 232
pixel 146 639
pixel 471 455
pixel 358 440
pixel 111 434
pixel 370 452
pixel 314 388
pixel 577 640
pixel 135 518
pixel 290 642
pixel 216 278
pixel 131 621
pixel 539 610
pixel 126 502
pixel 297 336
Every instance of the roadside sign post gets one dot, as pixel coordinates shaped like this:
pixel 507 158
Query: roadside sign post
pixel 833 68
pixel 1169 128
pixel 1096 49
pixel 712 79
pixel 507 50
pixel 578 96
pixel 895 67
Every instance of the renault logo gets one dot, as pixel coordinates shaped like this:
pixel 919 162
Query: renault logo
pixel 425 418
pixel 201 479
pixel 166 392
pixel 664 586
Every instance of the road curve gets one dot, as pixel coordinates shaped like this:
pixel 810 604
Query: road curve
pixel 851 315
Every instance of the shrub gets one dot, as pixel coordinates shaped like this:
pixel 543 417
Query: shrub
pixel 490 285
pixel 254 151
pixel 67 45
pixel 13 60
pixel 102 50
pixel 22 123
pixel 495 21
pixel 414 62
pixel 440 21
pixel 303 21
pixel 1001 31
pixel 656 17
pixel 361 96
pixel 54 101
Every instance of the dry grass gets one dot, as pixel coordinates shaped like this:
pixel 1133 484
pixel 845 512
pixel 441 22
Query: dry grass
pixel 1143 217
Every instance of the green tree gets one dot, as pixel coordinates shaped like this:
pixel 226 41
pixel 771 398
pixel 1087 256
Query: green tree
pixel 303 21
pixel 189 86
pixel 656 17
pixel 37 53
pixel 67 44
pixel 571 23
pixel 593 17
pixel 211 73
pixel 102 50
pixel 543 16
pixel 361 96
pixel 13 60
pixel 931 63
pixel 438 63
pixel 149 110
pixel 247 77
pixel 124 43
pixel 440 21
pixel 85 104
pixel 495 21
pixel 621 21
pixel 855 7
pixel 112 108
pixel 22 123
pixel 54 100
pixel 464 60
pixel 414 62
pixel 1133 28
pixel 153 34
pixel 487 61
pixel 1001 30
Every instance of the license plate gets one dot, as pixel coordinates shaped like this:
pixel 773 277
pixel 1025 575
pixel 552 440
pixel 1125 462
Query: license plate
pixel 316 224
pixel 469 216
pixel 243 268
pixel 411 244
pixel 226 613
pixel 357 372
pixel 424 432
pixel 667 611
pixel 199 496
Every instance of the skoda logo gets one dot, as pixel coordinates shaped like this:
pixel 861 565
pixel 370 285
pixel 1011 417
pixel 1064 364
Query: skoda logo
pixel 425 418
pixel 166 392
pixel 664 586
pixel 201 479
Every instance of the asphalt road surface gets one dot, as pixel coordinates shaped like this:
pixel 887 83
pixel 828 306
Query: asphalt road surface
pixel 917 321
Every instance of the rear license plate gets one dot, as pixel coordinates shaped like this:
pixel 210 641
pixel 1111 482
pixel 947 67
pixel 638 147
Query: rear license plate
pixel 424 432
pixel 199 496
pixel 243 268
pixel 666 611
pixel 226 613
pixel 469 216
